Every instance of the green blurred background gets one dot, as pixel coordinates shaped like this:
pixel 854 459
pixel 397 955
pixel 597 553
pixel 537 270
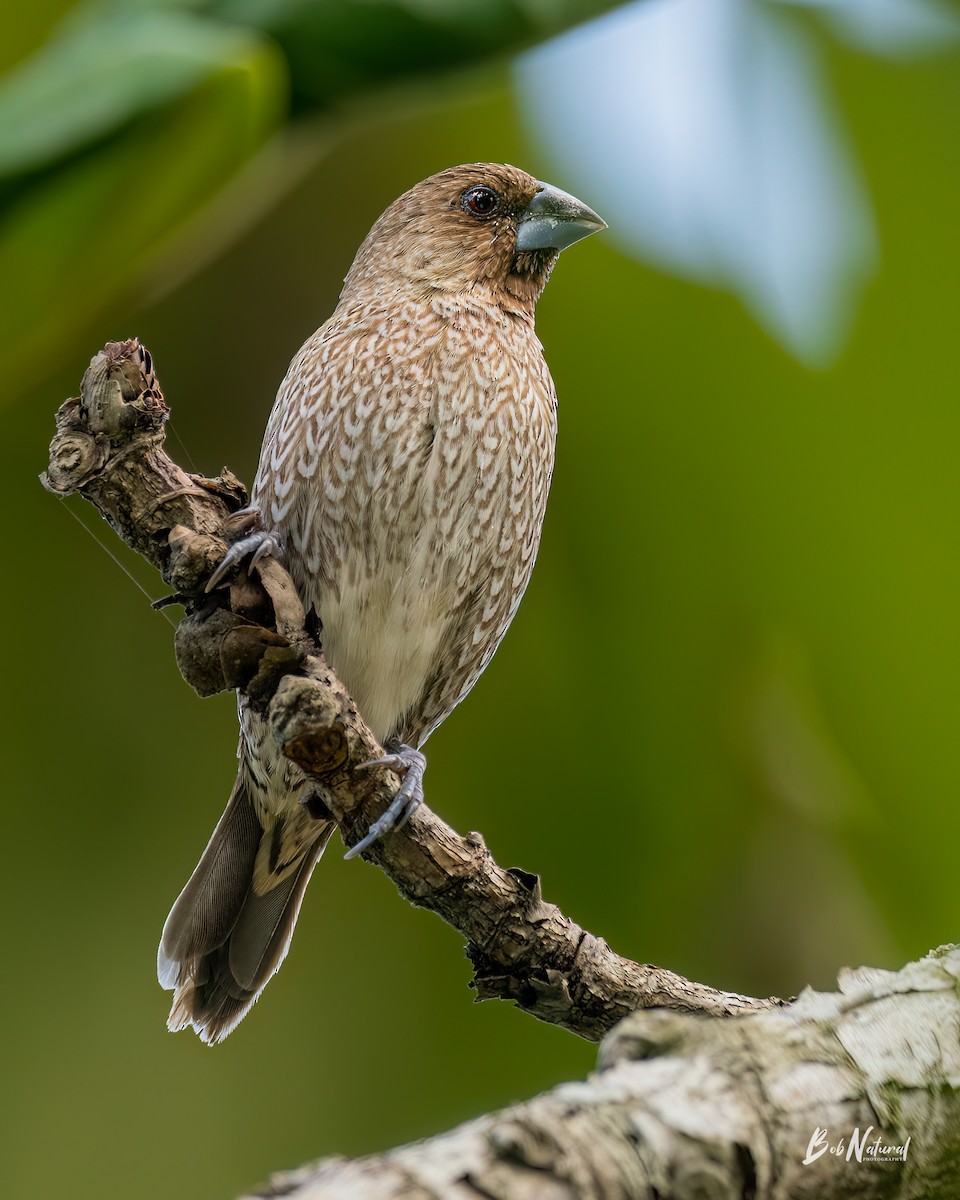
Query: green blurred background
pixel 738 663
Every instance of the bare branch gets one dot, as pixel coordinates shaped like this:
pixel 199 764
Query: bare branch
pixel 253 635
pixel 851 1095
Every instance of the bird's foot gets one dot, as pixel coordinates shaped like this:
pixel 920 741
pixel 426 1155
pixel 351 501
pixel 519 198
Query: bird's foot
pixel 411 764
pixel 249 542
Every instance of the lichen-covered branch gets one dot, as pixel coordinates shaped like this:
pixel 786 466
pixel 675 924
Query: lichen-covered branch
pixel 253 635
pixel 851 1095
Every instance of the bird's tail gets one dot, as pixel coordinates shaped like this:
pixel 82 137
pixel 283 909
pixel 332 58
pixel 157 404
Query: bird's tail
pixel 231 926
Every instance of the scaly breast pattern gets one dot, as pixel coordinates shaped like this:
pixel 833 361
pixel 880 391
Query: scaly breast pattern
pixel 407 463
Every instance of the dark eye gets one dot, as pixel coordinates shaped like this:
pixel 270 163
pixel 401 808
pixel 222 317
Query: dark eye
pixel 480 201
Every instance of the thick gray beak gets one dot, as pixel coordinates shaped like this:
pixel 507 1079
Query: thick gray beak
pixel 554 220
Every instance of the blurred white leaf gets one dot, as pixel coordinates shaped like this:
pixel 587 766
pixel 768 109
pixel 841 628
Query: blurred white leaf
pixel 894 28
pixel 702 133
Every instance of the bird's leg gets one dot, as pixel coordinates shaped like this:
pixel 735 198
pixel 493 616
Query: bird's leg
pixel 245 540
pixel 411 764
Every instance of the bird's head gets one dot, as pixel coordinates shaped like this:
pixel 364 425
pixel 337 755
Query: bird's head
pixel 483 226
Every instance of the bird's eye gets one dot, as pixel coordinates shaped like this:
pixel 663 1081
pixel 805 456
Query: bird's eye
pixel 480 202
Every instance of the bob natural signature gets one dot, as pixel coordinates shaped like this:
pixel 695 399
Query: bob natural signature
pixel 877 1151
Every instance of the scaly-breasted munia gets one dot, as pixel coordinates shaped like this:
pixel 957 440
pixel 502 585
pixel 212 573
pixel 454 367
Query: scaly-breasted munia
pixel 404 473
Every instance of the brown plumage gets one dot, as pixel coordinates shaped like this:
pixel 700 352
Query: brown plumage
pixel 405 469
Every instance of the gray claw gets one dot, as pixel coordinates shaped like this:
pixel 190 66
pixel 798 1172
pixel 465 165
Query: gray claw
pixel 268 545
pixel 257 545
pixel 407 800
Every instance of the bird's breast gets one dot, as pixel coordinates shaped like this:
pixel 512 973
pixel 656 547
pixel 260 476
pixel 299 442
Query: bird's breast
pixel 408 465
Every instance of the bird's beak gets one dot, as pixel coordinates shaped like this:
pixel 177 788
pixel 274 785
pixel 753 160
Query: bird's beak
pixel 554 220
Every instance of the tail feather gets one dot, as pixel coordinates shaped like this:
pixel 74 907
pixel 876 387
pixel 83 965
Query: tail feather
pixel 261 936
pixel 206 910
pixel 225 938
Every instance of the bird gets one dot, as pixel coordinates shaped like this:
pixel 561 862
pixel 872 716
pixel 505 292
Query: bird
pixel 403 480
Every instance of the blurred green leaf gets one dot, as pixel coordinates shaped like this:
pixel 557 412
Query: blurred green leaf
pixel 87 84
pixel 138 113
pixel 75 237
pixel 345 46
pixel 25 27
